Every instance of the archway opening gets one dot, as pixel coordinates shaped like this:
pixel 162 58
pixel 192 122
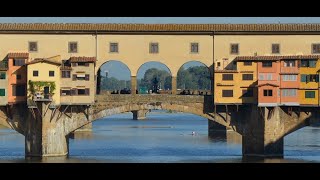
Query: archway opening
pixel 113 77
pixel 154 77
pixel 194 78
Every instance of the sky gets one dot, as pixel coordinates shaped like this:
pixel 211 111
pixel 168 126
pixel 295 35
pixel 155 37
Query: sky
pixel 148 20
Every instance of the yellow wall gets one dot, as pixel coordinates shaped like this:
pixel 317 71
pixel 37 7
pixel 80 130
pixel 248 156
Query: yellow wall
pixel 231 85
pixel 311 101
pixel 44 69
pixel 309 70
pixel 249 44
pixel 174 50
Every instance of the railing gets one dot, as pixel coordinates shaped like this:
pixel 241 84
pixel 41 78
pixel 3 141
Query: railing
pixel 45 97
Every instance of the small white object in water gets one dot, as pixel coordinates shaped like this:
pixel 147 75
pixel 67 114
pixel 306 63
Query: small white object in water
pixel 193 133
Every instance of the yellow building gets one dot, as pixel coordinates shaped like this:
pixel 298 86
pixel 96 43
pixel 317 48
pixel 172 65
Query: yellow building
pixel 309 82
pixel 44 80
pixel 226 87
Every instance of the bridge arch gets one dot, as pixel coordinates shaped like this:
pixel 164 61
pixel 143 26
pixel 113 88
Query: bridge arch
pixel 118 71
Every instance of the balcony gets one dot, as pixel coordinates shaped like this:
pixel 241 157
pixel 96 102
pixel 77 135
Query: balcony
pixel 39 96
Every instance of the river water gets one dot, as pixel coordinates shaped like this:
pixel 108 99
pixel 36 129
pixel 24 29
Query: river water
pixel 162 138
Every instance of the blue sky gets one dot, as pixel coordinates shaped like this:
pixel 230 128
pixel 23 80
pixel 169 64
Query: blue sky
pixel 178 20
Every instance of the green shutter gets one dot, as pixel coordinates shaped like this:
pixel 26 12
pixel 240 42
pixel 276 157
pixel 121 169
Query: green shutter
pixel 2 92
pixel 2 75
pixel 303 77
pixel 310 94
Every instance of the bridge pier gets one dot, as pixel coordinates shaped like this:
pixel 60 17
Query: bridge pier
pixel 139 115
pixel 263 131
pixel 174 85
pixel 219 132
pixel 44 135
pixel 133 84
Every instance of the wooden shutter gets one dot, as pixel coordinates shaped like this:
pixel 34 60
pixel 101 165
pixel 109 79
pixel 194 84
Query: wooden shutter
pixel 87 91
pixel 74 92
pixel 74 77
pixel 87 77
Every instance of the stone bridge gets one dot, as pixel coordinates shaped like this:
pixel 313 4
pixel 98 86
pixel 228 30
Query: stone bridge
pixel 46 128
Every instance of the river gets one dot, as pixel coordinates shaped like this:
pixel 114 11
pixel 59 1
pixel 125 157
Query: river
pixel 161 138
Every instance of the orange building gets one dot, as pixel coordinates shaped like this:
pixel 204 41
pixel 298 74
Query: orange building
pixel 17 77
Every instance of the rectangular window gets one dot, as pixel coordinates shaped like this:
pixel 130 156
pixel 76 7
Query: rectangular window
pixel 2 92
pixel 33 46
pixel 2 75
pixel 227 93
pixel 73 47
pixel 303 77
pixel 289 92
pixel 289 77
pixel 275 48
pixel 81 91
pixel 312 63
pixel 19 62
pixel 194 47
pixel 313 78
pixel 261 76
pixel 35 73
pixel 18 90
pixel 66 92
pixel 18 76
pixel 154 48
pixel 247 93
pixel 289 63
pixel 65 74
pixel 51 73
pixel 87 77
pixel 267 92
pixel 269 76
pixel 113 47
pixel 247 63
pixel 234 49
pixel 247 76
pixel 82 64
pixel 310 94
pixel 227 77
pixel 304 63
pixel 267 64
pixel 218 64
pixel 315 48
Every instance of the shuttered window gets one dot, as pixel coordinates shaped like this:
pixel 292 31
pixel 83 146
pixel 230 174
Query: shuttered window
pixel 275 48
pixel 2 92
pixel 267 64
pixel 247 63
pixel 2 75
pixel 227 77
pixel 87 77
pixel 65 74
pixel 74 77
pixel 227 93
pixel 234 49
pixel 247 76
pixel 74 92
pixel 310 94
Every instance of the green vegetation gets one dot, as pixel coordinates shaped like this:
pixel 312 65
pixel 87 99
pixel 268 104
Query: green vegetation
pixel 39 85
pixel 196 78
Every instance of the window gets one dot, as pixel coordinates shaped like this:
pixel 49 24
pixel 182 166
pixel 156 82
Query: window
pixel 83 91
pixel 154 48
pixel 247 93
pixel 35 73
pixel 194 47
pixel 65 74
pixel 18 62
pixel 289 77
pixel 267 92
pixel 227 77
pixel 113 47
pixel 227 93
pixel 247 63
pixel 2 92
pixel 219 64
pixel 275 48
pixel 304 63
pixel 289 63
pixel 73 47
pixel 310 94
pixel 289 92
pixel 261 76
pixel 51 73
pixel 18 76
pixel 80 64
pixel 2 75
pixel 234 49
pixel 269 76
pixel 315 48
pixel 33 46
pixel 18 90
pixel 308 63
pixel 66 92
pixel 247 76
pixel 312 63
pixel 312 78
pixel 267 64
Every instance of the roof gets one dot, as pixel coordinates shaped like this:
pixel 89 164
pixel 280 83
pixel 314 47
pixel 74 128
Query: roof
pixel 82 59
pixel 159 27
pixel 225 71
pixel 267 84
pixel 275 58
pixel 18 55
pixel 43 60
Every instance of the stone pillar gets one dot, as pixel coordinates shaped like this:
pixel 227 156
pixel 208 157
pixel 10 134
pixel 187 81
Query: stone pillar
pixel 216 131
pixel 139 115
pixel 133 84
pixel 85 128
pixel 233 137
pixel 174 85
pixel 85 132
pixel 263 131
pixel 44 135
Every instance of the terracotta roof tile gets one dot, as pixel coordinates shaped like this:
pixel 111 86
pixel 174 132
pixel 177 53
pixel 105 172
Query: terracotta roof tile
pixel 82 59
pixel 160 27
pixel 18 55
pixel 37 60
pixel 275 58
pixel 226 71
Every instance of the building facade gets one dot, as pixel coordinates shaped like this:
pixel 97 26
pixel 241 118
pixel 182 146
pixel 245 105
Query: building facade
pixel 3 83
